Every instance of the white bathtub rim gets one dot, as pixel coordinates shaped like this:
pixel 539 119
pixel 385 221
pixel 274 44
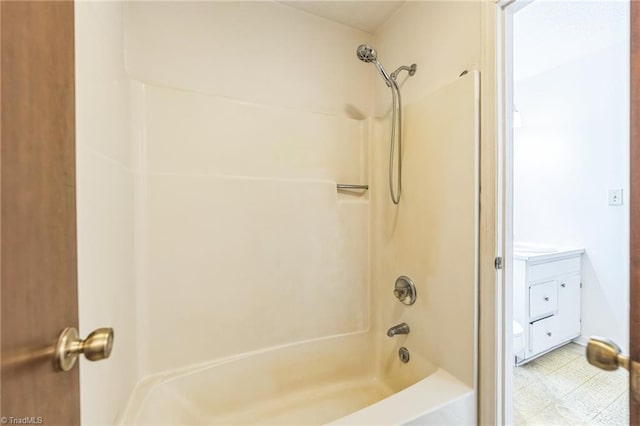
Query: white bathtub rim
pixel 143 387
pixel 409 404
pixel 397 409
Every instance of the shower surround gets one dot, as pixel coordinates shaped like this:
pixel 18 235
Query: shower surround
pixel 244 139
pixel 357 377
pixel 245 252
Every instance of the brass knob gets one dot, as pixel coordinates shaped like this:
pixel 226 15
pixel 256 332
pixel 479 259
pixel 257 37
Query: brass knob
pixel 96 346
pixel 605 354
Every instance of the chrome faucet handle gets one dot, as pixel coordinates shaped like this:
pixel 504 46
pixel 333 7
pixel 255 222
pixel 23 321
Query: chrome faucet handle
pixel 405 290
pixel 400 293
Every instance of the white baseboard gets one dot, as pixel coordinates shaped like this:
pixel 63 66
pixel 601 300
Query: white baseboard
pixel 581 340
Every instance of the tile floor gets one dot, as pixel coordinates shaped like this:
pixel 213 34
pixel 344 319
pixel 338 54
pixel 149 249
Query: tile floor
pixel 562 388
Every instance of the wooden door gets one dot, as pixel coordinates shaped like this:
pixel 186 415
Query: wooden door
pixel 634 316
pixel 38 220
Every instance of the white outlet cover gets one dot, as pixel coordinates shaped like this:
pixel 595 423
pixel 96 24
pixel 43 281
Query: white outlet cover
pixel 615 197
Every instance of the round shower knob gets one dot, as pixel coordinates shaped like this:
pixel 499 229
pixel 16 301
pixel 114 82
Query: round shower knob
pixel 405 291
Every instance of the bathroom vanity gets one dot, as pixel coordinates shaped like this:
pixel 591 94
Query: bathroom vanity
pixel 546 297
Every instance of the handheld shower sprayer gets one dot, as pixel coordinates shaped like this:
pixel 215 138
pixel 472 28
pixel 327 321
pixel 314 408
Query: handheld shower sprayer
pixel 368 54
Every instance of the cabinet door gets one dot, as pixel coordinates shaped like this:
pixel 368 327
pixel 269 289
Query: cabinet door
pixel 569 303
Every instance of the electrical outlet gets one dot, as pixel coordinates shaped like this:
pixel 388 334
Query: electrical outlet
pixel 615 197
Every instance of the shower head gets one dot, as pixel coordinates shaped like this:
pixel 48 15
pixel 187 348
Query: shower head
pixel 368 54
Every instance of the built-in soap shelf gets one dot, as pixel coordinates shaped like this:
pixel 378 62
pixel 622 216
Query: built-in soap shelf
pixel 351 187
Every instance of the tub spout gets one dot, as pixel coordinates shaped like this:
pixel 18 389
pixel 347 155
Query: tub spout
pixel 402 328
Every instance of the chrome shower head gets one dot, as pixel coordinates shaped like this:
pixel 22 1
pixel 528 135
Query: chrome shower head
pixel 368 54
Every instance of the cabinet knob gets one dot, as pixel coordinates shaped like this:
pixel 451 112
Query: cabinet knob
pixel 546 299
pixel 563 285
pixel 549 334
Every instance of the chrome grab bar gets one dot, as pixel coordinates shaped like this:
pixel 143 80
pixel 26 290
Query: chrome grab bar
pixel 349 186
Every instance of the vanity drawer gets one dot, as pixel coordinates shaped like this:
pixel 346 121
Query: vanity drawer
pixel 543 334
pixel 543 299
pixel 547 270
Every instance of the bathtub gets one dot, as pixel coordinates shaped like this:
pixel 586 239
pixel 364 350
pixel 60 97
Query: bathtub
pixel 340 380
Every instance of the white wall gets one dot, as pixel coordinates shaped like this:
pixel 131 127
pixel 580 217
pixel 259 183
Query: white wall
pixel 249 113
pixel 430 235
pixel 573 147
pixel 106 284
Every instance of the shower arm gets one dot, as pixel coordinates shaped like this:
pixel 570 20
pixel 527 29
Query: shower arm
pixel 411 69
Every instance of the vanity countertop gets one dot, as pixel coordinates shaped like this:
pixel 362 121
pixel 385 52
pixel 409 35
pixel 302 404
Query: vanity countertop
pixel 535 253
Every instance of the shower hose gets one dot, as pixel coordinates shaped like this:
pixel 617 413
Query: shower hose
pixel 396 128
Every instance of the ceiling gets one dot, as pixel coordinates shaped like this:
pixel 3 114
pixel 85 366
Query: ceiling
pixel 364 15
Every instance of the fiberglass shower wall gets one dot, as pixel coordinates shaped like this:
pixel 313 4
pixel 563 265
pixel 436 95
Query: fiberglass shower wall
pixel 245 243
pixel 432 236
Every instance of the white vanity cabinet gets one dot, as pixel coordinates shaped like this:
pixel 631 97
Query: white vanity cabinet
pixel 547 297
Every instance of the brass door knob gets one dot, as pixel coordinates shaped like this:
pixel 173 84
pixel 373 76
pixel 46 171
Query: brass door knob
pixel 606 355
pixel 96 346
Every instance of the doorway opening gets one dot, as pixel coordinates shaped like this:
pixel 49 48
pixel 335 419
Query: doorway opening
pixel 567 216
